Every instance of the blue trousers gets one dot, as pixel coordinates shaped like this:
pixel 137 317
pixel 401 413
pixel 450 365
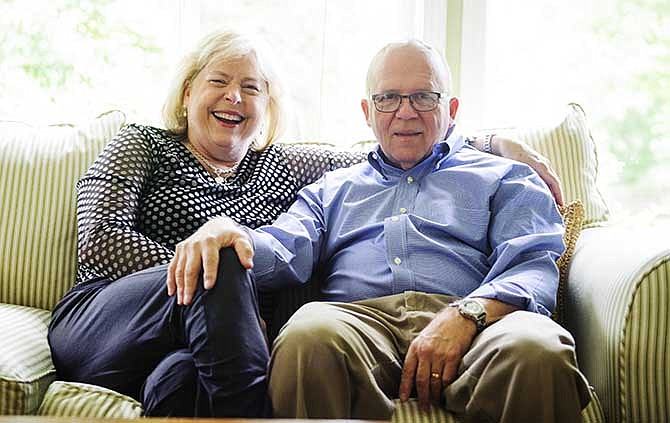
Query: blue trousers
pixel 206 359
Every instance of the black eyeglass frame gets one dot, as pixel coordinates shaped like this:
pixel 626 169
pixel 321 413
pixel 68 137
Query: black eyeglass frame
pixel 411 98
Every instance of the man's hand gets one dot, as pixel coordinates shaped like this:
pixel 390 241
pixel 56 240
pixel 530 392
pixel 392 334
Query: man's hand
pixel 521 152
pixel 434 356
pixel 200 251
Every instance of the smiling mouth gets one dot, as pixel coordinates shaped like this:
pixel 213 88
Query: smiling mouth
pixel 407 133
pixel 228 118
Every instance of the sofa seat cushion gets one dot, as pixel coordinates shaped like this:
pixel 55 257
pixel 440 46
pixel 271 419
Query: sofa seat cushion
pixel 26 369
pixel 70 399
pixel 409 411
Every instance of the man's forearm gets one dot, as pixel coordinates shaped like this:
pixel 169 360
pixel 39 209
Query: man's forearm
pixel 496 310
pixel 492 145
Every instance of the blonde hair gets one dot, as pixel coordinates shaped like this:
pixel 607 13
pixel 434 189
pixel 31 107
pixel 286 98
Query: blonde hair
pixel 440 65
pixel 224 45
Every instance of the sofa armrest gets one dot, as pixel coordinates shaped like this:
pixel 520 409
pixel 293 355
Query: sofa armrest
pixel 617 308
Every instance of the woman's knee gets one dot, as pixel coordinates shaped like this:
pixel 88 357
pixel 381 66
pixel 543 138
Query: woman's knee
pixel 231 276
pixel 229 261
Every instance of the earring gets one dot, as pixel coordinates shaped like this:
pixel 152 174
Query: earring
pixel 184 111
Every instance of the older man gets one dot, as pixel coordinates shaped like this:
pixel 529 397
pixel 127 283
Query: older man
pixel 439 271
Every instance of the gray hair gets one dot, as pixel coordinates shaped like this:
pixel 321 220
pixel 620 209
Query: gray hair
pixel 439 63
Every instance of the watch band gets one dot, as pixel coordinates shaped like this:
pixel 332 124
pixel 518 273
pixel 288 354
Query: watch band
pixel 473 310
pixel 487 143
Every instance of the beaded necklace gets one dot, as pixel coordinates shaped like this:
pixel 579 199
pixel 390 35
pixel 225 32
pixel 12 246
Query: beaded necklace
pixel 221 176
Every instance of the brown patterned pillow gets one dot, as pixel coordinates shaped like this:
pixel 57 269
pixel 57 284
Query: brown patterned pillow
pixel 573 218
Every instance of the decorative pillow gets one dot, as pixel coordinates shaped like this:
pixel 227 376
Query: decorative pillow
pixel 26 369
pixel 573 218
pixel 570 148
pixel 70 399
pixel 39 168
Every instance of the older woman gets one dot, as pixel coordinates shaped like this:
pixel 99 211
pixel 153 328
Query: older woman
pixel 154 191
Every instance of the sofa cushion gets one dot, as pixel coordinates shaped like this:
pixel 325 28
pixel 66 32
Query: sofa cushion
pixel 568 145
pixel 39 168
pixel 69 399
pixel 26 369
pixel 409 411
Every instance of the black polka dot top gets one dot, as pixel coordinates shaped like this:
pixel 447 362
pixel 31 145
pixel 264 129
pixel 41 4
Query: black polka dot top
pixel 146 192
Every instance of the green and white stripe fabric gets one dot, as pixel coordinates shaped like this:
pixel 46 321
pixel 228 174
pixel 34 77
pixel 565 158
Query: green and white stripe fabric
pixel 646 348
pixel 26 369
pixel 618 309
pixel 409 412
pixel 69 399
pixel 571 150
pixel 38 171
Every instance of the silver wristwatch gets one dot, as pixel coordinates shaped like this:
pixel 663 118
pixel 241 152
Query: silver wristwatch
pixel 473 310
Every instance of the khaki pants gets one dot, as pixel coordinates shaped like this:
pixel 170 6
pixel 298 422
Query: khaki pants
pixel 344 360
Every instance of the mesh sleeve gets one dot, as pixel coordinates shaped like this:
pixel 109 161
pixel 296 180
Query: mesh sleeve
pixel 108 198
pixel 309 163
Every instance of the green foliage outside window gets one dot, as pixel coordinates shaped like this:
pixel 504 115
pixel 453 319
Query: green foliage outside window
pixel 55 49
pixel 637 133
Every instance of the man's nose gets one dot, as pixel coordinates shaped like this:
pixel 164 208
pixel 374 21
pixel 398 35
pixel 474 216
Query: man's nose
pixel 406 110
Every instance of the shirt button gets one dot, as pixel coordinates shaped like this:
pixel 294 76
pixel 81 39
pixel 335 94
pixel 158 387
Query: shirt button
pixel 394 219
pixel 403 210
pixel 397 261
pixel 410 179
pixel 374 155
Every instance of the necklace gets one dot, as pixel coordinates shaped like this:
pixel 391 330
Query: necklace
pixel 221 176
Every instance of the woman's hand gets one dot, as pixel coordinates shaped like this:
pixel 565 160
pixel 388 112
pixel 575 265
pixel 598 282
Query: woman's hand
pixel 200 251
pixel 521 152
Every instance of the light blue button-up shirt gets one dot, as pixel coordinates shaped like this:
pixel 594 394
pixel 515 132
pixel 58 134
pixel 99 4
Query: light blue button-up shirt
pixel 460 222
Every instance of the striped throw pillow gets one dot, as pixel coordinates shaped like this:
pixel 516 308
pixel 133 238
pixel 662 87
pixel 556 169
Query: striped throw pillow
pixel 70 399
pixel 38 171
pixel 25 360
pixel 570 148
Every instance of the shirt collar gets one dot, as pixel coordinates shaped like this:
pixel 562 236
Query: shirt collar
pixel 442 150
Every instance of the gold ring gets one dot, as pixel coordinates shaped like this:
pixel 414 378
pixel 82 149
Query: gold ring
pixel 435 375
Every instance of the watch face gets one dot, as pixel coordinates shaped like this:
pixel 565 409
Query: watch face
pixel 473 307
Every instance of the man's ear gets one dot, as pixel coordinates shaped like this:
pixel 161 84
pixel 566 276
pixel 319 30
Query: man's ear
pixel 366 111
pixel 453 107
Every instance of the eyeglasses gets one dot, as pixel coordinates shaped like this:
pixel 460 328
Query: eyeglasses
pixel 421 101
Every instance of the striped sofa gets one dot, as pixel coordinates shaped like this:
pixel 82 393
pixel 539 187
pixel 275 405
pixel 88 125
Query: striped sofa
pixel 616 300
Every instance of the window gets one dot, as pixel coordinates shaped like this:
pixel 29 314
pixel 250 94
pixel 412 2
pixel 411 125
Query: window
pixel 68 60
pixel 64 60
pixel 612 57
